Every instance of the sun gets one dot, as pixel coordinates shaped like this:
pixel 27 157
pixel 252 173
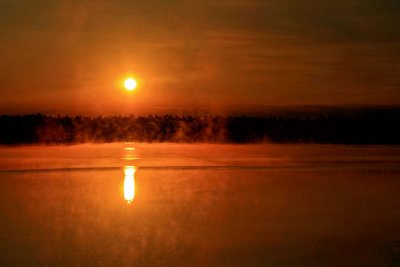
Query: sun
pixel 130 84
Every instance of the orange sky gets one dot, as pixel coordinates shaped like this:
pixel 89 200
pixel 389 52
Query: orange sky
pixel 69 56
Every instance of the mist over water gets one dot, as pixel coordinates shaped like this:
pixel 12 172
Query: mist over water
pixel 169 155
pixel 132 204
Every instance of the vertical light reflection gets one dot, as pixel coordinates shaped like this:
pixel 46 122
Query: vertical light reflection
pixel 129 183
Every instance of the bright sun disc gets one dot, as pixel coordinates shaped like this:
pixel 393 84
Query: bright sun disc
pixel 130 84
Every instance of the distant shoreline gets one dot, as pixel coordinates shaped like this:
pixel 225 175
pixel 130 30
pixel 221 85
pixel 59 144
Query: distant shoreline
pixel 372 127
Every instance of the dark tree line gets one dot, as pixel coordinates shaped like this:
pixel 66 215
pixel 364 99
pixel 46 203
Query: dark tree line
pixel 38 128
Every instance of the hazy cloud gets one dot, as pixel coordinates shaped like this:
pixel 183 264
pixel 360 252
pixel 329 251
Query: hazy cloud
pixel 261 52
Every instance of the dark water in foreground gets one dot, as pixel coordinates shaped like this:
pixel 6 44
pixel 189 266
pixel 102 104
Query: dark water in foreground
pixel 200 205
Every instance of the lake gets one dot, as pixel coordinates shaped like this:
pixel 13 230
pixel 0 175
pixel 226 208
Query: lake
pixel 128 204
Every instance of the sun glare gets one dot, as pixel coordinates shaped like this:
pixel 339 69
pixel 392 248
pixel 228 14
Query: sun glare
pixel 129 183
pixel 130 84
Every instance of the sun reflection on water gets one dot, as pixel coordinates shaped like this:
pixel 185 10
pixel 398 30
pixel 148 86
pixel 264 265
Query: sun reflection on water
pixel 129 183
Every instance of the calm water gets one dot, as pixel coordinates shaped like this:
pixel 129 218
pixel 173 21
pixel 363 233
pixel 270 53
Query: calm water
pixel 199 205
